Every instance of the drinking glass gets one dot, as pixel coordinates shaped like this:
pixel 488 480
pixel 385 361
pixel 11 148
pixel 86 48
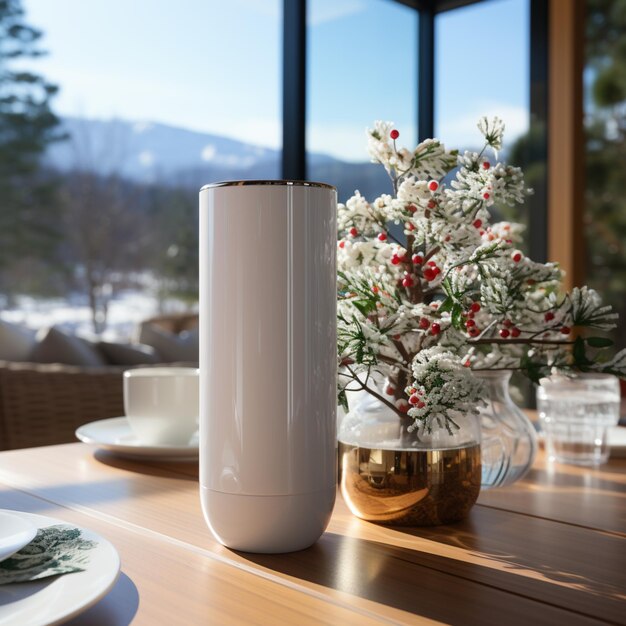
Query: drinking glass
pixel 576 413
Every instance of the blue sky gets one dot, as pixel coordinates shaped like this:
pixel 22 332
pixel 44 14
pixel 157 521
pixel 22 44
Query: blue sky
pixel 215 66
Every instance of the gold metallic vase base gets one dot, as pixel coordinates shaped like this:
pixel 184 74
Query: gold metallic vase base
pixel 410 487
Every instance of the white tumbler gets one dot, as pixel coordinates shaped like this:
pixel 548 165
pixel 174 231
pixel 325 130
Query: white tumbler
pixel 268 362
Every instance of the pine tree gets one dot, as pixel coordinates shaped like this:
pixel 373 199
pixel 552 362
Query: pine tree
pixel 605 200
pixel 27 127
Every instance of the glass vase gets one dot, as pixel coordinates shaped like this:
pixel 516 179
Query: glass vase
pixel 392 475
pixel 509 440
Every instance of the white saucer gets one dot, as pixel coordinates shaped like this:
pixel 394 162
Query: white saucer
pixel 15 533
pixel 58 598
pixel 115 435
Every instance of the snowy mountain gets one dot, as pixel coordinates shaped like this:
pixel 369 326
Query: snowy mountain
pixel 154 152
pixel 146 151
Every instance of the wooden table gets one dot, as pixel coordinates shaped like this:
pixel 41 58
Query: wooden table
pixel 549 550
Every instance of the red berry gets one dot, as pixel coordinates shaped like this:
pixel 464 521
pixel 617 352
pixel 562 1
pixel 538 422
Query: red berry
pixel 420 404
pixel 566 330
pixel 475 307
pixel 412 208
pixel 432 204
pixel 402 406
pixel 517 257
pixel 410 226
pixel 474 331
pixel 342 243
pixel 394 134
pixel 417 259
pixel 435 328
pixel 471 315
pixel 515 331
pixel 382 236
pixel 467 363
pixel 549 316
pixel 486 165
pixel 447 238
pixel 407 282
pixel 431 264
pixel 507 323
pixel 389 390
pixel 354 232
pixel 437 270
pixel 414 399
pixel 424 323
pixel 430 274
pixel 504 333
pixel 477 223
pixel 375 289
pixel 395 259
pixel 470 323
pixel 433 185
pixel 486 196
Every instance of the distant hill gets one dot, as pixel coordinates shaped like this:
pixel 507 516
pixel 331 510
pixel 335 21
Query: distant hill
pixel 150 152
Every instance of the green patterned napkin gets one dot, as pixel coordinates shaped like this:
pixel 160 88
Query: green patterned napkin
pixel 54 550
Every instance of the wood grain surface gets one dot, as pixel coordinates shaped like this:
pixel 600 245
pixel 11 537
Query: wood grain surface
pixel 550 549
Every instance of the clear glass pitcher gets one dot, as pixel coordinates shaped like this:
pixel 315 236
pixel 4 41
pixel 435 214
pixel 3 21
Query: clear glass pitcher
pixel 509 440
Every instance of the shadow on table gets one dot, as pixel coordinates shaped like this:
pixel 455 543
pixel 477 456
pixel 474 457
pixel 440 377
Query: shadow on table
pixel 184 471
pixel 435 586
pixel 118 607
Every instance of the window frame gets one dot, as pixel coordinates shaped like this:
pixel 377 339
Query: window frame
pixel 293 166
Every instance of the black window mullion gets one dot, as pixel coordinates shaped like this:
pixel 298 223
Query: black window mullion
pixel 426 73
pixel 538 135
pixel 294 90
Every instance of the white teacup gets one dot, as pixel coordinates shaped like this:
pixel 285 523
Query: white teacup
pixel 162 404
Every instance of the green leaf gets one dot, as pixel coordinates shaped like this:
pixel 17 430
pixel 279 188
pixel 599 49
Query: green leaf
pixel 363 306
pixel 446 305
pixel 457 316
pixel 599 342
pixel 343 400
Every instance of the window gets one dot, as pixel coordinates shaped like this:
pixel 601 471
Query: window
pixel 482 67
pixel 362 66
pixel 157 99
pixel 605 124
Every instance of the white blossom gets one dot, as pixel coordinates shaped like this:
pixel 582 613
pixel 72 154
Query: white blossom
pixel 455 292
pixel 492 130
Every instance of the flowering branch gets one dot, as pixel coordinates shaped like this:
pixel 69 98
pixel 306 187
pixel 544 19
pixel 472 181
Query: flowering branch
pixel 455 294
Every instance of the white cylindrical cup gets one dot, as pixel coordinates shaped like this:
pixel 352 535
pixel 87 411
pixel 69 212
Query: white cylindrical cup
pixel 162 404
pixel 268 362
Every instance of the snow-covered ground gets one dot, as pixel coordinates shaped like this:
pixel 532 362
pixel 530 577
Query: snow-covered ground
pixel 73 314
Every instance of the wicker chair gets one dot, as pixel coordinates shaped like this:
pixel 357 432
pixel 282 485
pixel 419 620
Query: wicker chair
pixel 44 404
pixel 175 323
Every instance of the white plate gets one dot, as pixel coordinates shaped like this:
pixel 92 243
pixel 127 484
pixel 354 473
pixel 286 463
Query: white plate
pixel 15 533
pixel 58 598
pixel 114 434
